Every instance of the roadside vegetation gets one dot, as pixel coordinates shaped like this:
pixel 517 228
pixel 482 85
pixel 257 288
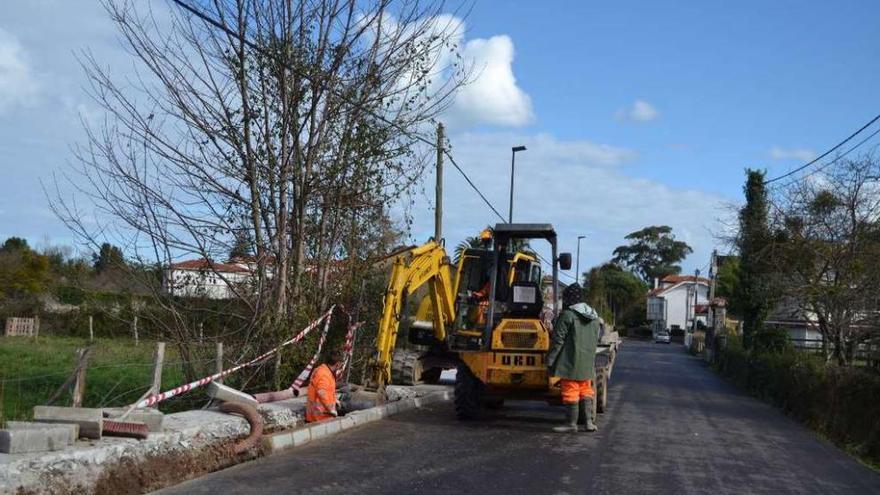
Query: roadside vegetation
pixel 808 254
pixel 840 403
pixel 119 372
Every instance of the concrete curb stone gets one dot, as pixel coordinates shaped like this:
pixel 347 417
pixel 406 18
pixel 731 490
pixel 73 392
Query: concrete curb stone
pixel 284 440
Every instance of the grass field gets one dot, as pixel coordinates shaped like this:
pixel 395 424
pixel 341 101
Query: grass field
pixel 119 373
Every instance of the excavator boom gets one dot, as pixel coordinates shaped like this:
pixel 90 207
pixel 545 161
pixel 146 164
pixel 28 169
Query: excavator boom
pixel 426 264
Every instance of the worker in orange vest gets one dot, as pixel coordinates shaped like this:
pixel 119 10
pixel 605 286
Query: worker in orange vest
pixel 322 402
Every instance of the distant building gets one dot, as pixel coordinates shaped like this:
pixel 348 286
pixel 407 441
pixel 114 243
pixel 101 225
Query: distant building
pixel 677 301
pixel 206 278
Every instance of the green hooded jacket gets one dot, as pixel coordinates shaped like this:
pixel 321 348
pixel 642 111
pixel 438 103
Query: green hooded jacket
pixel 572 352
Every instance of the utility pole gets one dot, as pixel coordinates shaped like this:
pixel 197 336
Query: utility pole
pixel 438 191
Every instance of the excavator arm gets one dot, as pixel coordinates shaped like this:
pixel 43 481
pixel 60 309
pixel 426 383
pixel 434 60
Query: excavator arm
pixel 426 264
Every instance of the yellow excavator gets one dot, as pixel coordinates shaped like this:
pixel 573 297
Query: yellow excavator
pixel 484 316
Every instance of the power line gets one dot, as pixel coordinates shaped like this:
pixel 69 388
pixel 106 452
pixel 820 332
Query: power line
pixel 221 26
pixel 838 157
pixel 550 266
pixel 823 155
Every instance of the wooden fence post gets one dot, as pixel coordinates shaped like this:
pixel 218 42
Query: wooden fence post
pixel 134 326
pixel 79 387
pixel 218 359
pixel 91 329
pixel 158 360
pixel 277 377
pixel 201 332
pixel 37 326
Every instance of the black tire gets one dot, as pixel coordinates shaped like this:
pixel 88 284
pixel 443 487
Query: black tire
pixel 431 375
pixel 406 369
pixel 601 392
pixel 468 394
pixel 494 403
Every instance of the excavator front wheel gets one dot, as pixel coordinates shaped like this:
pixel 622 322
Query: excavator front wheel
pixel 468 394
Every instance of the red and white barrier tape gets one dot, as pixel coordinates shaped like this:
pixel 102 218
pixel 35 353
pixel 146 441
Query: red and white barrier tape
pixel 347 350
pixel 154 399
pixel 348 347
pixel 304 374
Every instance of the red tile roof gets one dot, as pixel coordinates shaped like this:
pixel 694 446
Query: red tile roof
pixel 204 264
pixel 674 279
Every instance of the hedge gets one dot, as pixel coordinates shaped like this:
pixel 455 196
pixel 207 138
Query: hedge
pixel 840 403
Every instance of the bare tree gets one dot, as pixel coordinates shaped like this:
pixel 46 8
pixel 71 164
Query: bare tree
pixel 294 125
pixel 829 252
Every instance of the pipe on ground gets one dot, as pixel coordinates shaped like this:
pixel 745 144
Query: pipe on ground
pixel 253 418
pixel 285 394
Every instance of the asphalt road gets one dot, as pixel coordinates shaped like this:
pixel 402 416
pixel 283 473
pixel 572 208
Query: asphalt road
pixel 672 427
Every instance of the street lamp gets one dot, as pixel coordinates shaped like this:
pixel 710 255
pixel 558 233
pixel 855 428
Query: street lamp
pixel 512 164
pixel 577 270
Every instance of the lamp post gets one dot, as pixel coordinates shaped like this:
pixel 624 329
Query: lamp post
pixel 577 270
pixel 512 166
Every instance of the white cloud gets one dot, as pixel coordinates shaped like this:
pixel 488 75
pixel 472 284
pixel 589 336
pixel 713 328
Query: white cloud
pixel 639 111
pixel 492 97
pixel 800 154
pixel 574 185
pixel 17 85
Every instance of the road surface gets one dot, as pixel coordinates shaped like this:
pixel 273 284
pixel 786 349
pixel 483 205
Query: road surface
pixel 672 427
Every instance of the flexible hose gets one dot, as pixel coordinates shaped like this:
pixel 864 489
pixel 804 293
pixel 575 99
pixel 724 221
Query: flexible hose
pixel 285 394
pixel 253 418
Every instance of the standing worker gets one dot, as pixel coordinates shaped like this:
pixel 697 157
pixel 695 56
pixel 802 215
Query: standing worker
pixel 572 358
pixel 322 402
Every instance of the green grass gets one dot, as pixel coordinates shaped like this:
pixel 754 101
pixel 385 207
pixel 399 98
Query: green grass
pixel 118 374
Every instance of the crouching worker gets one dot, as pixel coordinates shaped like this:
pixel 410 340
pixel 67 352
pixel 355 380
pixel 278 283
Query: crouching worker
pixel 572 358
pixel 322 403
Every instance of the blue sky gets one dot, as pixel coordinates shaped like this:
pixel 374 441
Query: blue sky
pixel 635 113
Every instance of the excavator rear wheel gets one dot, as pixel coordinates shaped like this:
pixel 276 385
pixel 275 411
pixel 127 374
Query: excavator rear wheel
pixel 406 369
pixel 468 394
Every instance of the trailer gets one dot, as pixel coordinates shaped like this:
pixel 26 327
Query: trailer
pixel 606 355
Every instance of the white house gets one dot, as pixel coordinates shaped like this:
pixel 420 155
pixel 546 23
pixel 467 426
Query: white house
pixel 205 278
pixel 676 301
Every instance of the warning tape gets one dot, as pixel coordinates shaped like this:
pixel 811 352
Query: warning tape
pixel 182 389
pixel 347 350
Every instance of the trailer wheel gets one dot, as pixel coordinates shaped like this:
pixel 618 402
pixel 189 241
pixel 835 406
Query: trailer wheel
pixel 601 392
pixel 406 369
pixel 468 394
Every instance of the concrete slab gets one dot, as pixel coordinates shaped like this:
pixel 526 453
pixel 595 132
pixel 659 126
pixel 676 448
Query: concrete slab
pixel 318 430
pixel 277 441
pixel 348 422
pixel 151 417
pixel 26 440
pixel 333 426
pixel 228 394
pixel 90 420
pixel 301 436
pixel 72 429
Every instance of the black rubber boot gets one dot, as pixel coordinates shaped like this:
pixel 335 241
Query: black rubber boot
pixel 570 425
pixel 585 415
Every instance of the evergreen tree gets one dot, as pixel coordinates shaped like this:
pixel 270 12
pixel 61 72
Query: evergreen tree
pixel 754 291
pixel 652 253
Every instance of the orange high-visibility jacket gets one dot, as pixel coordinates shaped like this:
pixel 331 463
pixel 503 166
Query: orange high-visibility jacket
pixel 321 395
